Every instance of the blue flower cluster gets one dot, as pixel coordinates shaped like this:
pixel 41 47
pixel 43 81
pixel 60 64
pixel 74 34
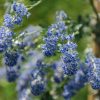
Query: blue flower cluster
pixel 50 46
pixel 79 81
pixel 5 38
pixel 8 20
pixel 58 39
pixel 70 58
pixel 6 32
pixel 25 95
pixel 58 72
pixel 60 15
pixel 31 71
pixel 38 81
pixel 23 81
pixel 93 71
pixel 11 74
pixel 23 85
pixel 19 11
pixel 10 60
pixel 55 31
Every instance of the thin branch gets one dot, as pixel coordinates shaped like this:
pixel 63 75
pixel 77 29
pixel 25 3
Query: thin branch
pixel 37 3
pixel 94 9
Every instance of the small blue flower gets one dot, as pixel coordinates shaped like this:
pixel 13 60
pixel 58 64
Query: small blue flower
pixel 75 84
pixel 23 80
pixel 8 21
pixel 5 38
pixel 11 58
pixel 70 58
pixel 50 47
pixel 70 37
pixel 24 94
pixel 3 47
pixel 58 77
pixel 35 73
pixel 38 82
pixel 11 74
pixel 40 65
pixel 61 15
pixel 20 9
pixel 17 20
pixel 93 71
pixel 67 94
pixel 22 45
pixel 58 72
pixel 37 87
pixel 68 47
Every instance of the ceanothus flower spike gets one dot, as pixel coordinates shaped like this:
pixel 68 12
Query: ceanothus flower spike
pixel 93 71
pixel 70 58
pixel 20 9
pixel 5 38
pixel 38 83
pixel 53 35
pixel 11 74
pixel 8 21
pixel 11 58
pixel 75 84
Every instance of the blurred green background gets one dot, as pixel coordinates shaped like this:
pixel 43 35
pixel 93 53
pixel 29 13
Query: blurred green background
pixel 44 15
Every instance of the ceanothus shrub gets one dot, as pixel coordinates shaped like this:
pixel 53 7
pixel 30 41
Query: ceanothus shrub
pixel 34 69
